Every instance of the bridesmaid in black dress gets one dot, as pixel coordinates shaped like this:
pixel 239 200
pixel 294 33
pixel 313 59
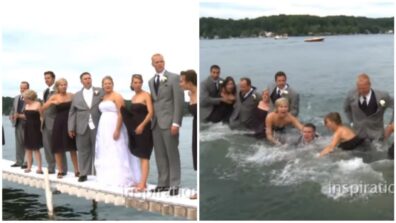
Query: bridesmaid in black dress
pixel 33 138
pixel 138 122
pixel 262 111
pixel 223 111
pixel 188 81
pixel 60 141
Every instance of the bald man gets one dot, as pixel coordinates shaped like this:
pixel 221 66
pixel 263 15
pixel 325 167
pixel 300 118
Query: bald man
pixel 365 108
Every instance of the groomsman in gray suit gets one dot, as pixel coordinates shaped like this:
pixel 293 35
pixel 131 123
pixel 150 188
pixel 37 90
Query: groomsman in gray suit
pixel 49 117
pixel 84 117
pixel 243 115
pixel 15 116
pixel 168 100
pixel 210 93
pixel 365 108
pixel 281 89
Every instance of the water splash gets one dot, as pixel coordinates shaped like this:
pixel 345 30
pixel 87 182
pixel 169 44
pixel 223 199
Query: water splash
pixel 288 165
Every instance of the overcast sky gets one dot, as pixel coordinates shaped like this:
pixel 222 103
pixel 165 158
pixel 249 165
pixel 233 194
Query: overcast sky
pixel 114 38
pixel 237 9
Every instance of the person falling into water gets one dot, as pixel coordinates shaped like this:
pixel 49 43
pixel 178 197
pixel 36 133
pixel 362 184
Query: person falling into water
pixel 278 120
pixel 343 137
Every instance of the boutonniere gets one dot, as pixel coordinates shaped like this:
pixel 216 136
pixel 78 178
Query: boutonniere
pixel 382 103
pixel 284 92
pixel 254 96
pixel 220 82
pixel 163 79
pixel 96 92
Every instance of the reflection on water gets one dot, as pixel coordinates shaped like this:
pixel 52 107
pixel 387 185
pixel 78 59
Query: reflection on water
pixel 18 205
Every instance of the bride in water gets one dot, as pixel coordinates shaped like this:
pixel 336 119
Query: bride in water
pixel 114 164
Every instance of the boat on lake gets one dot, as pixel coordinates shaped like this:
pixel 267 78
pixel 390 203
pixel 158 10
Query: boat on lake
pixel 280 37
pixel 314 39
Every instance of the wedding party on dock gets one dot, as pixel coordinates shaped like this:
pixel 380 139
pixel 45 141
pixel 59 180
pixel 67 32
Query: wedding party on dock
pixel 98 119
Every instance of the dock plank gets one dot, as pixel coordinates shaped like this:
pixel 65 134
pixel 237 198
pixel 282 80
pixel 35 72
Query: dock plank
pixel 163 203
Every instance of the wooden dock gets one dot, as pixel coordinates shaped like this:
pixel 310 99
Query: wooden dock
pixel 163 203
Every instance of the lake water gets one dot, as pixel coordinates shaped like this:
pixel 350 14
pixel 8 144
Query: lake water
pixel 244 178
pixel 26 203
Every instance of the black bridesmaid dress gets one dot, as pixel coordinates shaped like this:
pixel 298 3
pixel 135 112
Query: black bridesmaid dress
pixel 139 145
pixel 221 113
pixel 60 141
pixel 193 111
pixel 32 131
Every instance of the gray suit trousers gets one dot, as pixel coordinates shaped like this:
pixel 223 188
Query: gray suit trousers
pixel 167 157
pixel 86 152
pixel 19 144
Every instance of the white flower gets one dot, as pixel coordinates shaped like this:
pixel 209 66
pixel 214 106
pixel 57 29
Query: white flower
pixel 254 96
pixel 96 92
pixel 382 103
pixel 163 78
pixel 284 92
pixel 220 82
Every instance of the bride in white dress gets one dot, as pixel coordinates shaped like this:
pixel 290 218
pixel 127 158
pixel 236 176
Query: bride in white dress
pixel 114 164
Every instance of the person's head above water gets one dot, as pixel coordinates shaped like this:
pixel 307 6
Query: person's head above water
pixel 309 132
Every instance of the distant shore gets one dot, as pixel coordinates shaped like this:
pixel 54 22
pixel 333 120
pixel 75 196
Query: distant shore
pixel 293 25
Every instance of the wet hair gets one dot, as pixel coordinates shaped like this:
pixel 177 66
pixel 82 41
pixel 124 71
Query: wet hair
pixel 281 101
pixel 280 74
pixel 334 117
pixel 214 66
pixel 190 76
pixel 57 83
pixel 52 74
pixel 85 73
pixel 310 125
pixel 226 80
pixel 107 78
pixel 136 76
pixel 248 81
pixel 30 94
pixel 27 84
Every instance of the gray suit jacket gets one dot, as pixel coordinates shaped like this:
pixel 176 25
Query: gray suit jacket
pixel 372 126
pixel 168 105
pixel 292 96
pixel 14 109
pixel 209 97
pixel 79 111
pixel 244 115
pixel 49 115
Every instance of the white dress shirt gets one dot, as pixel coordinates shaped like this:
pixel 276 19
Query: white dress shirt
pixel 368 97
pixel 88 94
pixel 281 90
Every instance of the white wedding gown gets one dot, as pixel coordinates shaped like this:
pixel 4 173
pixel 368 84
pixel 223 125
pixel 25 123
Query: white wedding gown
pixel 114 163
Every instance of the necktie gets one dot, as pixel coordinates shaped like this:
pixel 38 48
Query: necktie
pixel 364 103
pixel 156 84
pixel 20 105
pixel 279 93
pixel 46 93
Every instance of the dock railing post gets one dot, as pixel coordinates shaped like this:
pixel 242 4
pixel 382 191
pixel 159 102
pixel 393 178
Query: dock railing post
pixel 48 194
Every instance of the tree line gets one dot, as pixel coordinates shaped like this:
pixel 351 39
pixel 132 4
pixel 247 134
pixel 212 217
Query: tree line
pixel 293 25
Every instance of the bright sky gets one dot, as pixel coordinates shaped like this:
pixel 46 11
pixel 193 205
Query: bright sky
pixel 110 37
pixel 237 9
